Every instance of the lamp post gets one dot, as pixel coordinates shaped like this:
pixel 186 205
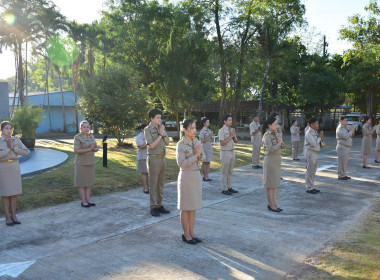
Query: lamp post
pixel 105 151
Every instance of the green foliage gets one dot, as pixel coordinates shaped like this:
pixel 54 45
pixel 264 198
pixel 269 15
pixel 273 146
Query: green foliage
pixel 27 119
pixel 115 99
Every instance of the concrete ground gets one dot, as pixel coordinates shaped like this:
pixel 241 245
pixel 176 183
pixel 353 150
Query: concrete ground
pixel 119 239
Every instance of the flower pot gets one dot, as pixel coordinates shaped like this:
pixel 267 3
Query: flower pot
pixel 29 142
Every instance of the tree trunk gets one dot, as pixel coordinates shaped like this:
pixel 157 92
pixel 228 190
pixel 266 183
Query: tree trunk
pixel 16 82
pixel 63 100
pixel 178 126
pixel 26 70
pixel 47 92
pixel 74 72
pixel 369 100
pixel 262 88
pixel 20 75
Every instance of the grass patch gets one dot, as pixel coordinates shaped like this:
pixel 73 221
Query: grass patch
pixel 56 186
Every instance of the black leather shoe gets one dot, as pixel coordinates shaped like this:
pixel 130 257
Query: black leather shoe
pixel 226 192
pixel 16 222
pixel 316 190
pixel 91 204
pixel 311 191
pixel 10 224
pixel 366 167
pixel 191 241
pixel 87 205
pixel 231 190
pixel 278 208
pixel 146 191
pixel 196 239
pixel 348 178
pixel 342 178
pixel 273 210
pixel 377 161
pixel 162 210
pixel 154 212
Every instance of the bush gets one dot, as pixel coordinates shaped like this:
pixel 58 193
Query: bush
pixel 26 119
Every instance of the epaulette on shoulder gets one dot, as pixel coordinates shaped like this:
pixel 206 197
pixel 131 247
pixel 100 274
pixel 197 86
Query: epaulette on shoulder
pixel 266 133
pixel 181 141
pixel 77 135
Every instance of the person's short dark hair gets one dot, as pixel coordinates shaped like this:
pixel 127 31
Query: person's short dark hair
pixel 275 114
pixel 313 120
pixel 187 123
pixel 254 115
pixel 343 118
pixel 153 112
pixel 226 116
pixel 268 122
pixel 293 121
pixel 366 118
pixel 4 123
pixel 142 126
pixel 204 120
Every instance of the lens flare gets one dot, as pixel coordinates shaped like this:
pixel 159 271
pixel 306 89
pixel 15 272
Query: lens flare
pixel 62 50
pixel 10 19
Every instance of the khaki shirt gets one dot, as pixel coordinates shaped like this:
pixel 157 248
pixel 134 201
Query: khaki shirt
pixel 82 141
pixel 295 133
pixel 224 133
pixel 312 141
pixel 367 130
pixel 378 130
pixel 141 152
pixel 7 154
pixel 151 134
pixel 343 136
pixel 253 127
pixel 271 145
pixel 186 159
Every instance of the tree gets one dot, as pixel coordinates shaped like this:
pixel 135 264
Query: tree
pixel 115 99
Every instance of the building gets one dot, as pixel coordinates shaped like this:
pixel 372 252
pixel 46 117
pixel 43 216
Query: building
pixel 40 99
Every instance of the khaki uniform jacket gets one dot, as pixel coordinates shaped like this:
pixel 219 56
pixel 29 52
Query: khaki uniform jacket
pixel 253 127
pixel 312 141
pixel 186 159
pixel 295 133
pixel 84 142
pixel 271 145
pixel 151 134
pixel 223 134
pixel 8 154
pixel 343 136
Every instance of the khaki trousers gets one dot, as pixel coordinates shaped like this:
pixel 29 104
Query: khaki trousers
pixel 343 156
pixel 156 170
pixel 227 159
pixel 311 168
pixel 256 146
pixel 295 145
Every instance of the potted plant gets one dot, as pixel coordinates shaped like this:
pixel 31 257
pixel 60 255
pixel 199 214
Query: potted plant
pixel 27 119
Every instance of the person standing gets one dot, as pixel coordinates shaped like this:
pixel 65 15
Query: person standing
pixel 10 174
pixel 273 144
pixel 141 158
pixel 304 133
pixel 343 148
pixel 189 154
pixel 377 158
pixel 228 139
pixel 295 138
pixel 157 140
pixel 205 136
pixel 85 148
pixel 255 131
pixel 313 141
pixel 367 131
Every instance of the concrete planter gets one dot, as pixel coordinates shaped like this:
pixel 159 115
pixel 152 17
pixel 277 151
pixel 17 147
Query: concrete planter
pixel 29 142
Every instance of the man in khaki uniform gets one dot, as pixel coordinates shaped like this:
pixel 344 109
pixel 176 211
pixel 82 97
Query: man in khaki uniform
pixel 255 131
pixel 343 147
pixel 157 140
pixel 312 147
pixel 227 138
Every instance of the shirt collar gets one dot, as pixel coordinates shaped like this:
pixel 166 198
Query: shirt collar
pixel 225 127
pixel 186 141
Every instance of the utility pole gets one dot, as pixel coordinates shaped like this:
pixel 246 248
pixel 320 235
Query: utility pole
pixel 325 45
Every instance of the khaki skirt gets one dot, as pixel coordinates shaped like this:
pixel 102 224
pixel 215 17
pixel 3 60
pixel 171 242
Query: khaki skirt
pixel 141 166
pixel 207 149
pixel 272 171
pixel 10 178
pixel 367 144
pixel 189 190
pixel 378 143
pixel 84 175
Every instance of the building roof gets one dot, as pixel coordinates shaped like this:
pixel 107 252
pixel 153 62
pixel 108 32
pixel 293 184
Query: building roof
pixel 36 98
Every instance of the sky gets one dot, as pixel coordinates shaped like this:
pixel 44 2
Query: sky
pixel 326 16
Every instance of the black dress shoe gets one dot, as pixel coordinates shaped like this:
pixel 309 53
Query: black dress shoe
pixel 377 161
pixel 16 222
pixel 10 224
pixel 226 192
pixel 196 239
pixel 273 210
pixel 154 212
pixel 366 167
pixel 91 204
pixel 278 208
pixel 348 178
pixel 146 191
pixel 316 190
pixel 256 167
pixel 231 190
pixel 191 241
pixel 87 205
pixel 162 210
pixel 311 191
pixel 342 178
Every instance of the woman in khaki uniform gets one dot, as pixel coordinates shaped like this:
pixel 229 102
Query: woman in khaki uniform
pixel 295 138
pixel 206 138
pixel 10 174
pixel 272 162
pixel 377 159
pixel 189 155
pixel 367 131
pixel 85 147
